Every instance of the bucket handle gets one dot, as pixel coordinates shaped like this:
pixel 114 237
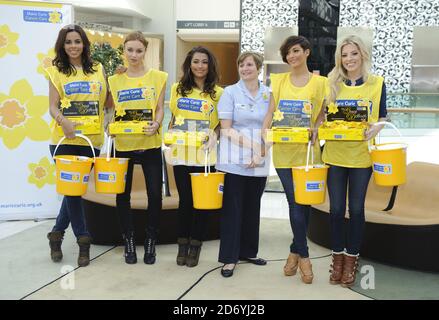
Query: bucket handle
pixel 384 123
pixel 110 142
pixel 80 136
pixel 308 151
pixel 206 167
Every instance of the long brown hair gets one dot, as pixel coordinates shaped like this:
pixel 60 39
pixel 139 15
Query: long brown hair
pixel 62 61
pixel 187 81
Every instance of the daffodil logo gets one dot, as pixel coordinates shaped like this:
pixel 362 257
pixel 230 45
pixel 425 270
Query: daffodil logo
pixel 55 17
pixel 363 103
pixel 45 61
pixel 20 115
pixel 7 41
pixel 147 93
pixel 332 108
pixel 120 112
pixel 179 120
pixel 42 173
pixel 278 115
pixel 265 96
pixel 205 107
pixel 65 103
pixel 307 108
pixel 95 87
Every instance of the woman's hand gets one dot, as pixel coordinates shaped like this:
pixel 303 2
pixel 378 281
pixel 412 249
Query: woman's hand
pixel 151 128
pixel 68 127
pixel 211 142
pixel 372 131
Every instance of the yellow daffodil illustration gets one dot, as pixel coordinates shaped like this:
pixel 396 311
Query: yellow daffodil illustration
pixel 55 17
pixel 265 96
pixel 363 103
pixel 95 87
pixel 179 120
pixel 42 173
pixel 332 108
pixel 205 107
pixel 45 61
pixel 7 41
pixel 20 115
pixel 65 103
pixel 307 108
pixel 120 112
pixel 278 115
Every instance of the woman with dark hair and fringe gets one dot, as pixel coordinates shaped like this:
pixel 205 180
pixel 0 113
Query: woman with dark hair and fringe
pixel 193 105
pixel 75 81
pixel 306 92
pixel 140 90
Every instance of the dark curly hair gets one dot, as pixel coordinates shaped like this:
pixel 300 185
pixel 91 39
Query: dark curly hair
pixel 187 81
pixel 61 60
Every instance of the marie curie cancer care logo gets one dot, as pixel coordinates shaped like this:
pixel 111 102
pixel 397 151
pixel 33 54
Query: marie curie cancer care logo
pixel 42 16
pixel 74 177
pixel 315 186
pixel 109 177
pixel 382 168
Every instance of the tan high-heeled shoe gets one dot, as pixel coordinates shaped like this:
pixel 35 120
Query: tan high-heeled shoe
pixel 292 264
pixel 305 268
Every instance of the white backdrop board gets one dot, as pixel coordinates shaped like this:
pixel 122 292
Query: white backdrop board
pixel 28 31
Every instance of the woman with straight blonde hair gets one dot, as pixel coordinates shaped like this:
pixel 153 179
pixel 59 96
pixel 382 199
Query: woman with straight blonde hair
pixel 351 86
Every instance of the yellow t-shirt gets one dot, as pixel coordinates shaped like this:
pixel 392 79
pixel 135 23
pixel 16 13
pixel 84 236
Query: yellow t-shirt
pixel 89 90
pixel 139 93
pixel 201 108
pixel 305 103
pixel 355 154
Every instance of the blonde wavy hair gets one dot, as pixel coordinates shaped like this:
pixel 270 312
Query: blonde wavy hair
pixel 339 74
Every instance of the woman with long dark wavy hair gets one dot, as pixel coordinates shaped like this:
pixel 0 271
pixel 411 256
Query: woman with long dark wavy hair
pixel 75 81
pixel 193 105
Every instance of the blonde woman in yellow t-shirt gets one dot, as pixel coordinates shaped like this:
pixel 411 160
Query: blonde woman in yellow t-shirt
pixel 350 163
pixel 296 100
pixel 140 92
pixel 193 105
pixel 75 81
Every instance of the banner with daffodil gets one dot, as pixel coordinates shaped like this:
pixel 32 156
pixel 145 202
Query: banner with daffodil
pixel 28 31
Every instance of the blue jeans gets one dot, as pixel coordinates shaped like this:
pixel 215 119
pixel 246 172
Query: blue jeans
pixel 299 215
pixel 71 210
pixel 339 180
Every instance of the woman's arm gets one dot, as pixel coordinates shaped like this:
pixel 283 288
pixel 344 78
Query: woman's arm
pixel 67 126
pixel 153 126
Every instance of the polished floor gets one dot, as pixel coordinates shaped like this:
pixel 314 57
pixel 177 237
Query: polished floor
pixel 26 271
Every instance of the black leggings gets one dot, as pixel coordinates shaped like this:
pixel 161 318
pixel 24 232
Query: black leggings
pixel 151 162
pixel 192 223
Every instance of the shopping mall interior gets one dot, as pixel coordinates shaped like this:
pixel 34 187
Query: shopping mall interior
pixel 399 259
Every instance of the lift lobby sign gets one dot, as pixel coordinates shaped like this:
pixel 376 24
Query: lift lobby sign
pixel 208 24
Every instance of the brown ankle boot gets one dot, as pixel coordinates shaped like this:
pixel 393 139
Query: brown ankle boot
pixel 305 268
pixel 55 241
pixel 292 264
pixel 84 251
pixel 336 268
pixel 183 248
pixel 194 253
pixel 350 267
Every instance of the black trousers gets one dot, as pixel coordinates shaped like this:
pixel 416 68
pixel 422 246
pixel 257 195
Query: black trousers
pixel 240 217
pixel 192 223
pixel 151 162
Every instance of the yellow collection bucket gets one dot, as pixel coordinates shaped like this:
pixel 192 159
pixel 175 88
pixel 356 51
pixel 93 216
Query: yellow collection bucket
pixel 207 188
pixel 110 173
pixel 72 172
pixel 389 162
pixel 310 182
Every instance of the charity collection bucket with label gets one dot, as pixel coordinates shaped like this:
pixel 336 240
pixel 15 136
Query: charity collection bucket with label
pixel 207 188
pixel 389 161
pixel 110 173
pixel 72 172
pixel 310 181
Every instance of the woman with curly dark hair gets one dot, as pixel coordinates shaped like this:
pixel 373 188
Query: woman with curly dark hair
pixel 193 105
pixel 76 85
